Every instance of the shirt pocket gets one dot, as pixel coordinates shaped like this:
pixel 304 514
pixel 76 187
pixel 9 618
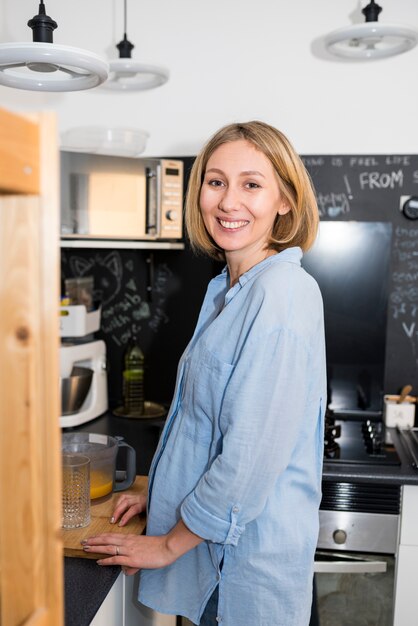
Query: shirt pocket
pixel 205 379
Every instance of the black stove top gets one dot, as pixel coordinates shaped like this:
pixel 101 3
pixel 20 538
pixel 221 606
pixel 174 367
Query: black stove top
pixel 357 442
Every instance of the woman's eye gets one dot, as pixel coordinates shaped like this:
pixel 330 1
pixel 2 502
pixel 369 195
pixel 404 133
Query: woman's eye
pixel 215 183
pixel 253 185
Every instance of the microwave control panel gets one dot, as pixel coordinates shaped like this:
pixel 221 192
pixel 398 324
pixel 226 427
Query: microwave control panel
pixel 171 210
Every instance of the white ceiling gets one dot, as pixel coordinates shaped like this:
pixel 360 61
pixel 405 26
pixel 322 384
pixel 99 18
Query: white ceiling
pixel 234 60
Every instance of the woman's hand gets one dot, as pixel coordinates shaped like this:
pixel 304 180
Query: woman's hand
pixel 134 552
pixel 127 507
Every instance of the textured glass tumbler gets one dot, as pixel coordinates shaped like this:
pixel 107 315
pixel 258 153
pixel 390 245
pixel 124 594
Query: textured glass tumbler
pixel 75 490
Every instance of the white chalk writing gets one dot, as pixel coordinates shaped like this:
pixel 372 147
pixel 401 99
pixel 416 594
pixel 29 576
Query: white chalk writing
pixel 333 204
pixel 381 180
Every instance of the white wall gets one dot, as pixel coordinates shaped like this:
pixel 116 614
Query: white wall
pixel 234 60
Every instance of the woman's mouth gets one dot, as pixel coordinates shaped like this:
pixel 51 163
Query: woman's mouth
pixel 233 225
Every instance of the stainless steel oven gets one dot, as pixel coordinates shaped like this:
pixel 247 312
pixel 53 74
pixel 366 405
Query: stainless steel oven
pixel 355 558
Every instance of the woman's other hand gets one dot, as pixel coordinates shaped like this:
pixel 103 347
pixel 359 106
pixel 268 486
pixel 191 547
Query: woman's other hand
pixel 131 552
pixel 127 507
pixel 134 552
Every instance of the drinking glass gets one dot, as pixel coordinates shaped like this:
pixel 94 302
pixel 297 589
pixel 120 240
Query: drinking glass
pixel 75 490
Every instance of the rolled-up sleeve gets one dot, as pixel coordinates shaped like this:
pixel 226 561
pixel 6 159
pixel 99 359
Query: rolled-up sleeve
pixel 264 411
pixel 205 524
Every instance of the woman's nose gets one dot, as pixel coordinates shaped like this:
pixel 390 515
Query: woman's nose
pixel 230 199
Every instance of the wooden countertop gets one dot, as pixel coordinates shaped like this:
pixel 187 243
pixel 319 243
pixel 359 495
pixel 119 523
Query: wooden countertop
pixel 101 512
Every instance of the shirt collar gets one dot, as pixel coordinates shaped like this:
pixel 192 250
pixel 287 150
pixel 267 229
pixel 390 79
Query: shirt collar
pixel 290 255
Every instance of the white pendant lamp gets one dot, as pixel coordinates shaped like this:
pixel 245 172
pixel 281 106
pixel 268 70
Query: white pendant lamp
pixel 126 74
pixel 371 40
pixel 45 66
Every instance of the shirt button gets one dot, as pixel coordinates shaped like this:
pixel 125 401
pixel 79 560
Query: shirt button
pixel 235 509
pixel 218 618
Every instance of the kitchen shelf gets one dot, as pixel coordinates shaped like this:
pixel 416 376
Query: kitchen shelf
pixel 122 244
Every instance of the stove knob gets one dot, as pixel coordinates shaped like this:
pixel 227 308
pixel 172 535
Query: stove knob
pixel 377 444
pixel 374 444
pixel 339 536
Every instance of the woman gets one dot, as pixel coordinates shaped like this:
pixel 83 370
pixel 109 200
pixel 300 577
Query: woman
pixel 234 486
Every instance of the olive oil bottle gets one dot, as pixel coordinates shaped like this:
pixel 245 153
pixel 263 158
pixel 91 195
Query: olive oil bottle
pixel 133 380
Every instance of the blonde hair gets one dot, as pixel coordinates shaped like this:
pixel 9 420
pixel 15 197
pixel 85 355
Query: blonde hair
pixel 298 227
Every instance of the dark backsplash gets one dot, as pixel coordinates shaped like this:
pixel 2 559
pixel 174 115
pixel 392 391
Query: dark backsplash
pixel 158 307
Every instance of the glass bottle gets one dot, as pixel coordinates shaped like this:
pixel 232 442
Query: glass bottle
pixel 133 380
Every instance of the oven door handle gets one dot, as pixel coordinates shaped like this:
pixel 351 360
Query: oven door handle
pixel 341 564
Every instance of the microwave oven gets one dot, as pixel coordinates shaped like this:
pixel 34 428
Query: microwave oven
pixel 111 197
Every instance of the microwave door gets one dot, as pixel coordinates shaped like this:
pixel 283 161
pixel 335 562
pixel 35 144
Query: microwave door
pixel 116 204
pixel 103 197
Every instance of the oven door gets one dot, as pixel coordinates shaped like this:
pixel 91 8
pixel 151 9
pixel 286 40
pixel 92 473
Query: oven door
pixel 354 589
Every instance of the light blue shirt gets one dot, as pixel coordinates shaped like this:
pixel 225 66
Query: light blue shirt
pixel 240 457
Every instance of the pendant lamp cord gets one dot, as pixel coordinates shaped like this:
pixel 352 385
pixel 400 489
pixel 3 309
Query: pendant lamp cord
pixel 125 19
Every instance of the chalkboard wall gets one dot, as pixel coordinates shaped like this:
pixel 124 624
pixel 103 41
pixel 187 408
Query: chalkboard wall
pixel 348 187
pixel 161 319
pixel 373 188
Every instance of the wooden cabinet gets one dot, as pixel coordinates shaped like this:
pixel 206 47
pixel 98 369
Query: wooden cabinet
pixel 407 562
pixel 31 579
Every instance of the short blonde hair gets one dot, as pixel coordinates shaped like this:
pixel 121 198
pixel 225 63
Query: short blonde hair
pixel 298 227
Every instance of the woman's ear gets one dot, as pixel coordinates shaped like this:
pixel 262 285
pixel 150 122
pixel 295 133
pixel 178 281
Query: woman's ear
pixel 283 208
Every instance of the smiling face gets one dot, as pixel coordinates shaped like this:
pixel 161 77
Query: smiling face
pixel 240 200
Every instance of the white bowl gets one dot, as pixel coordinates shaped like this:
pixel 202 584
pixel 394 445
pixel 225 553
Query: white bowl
pixel 127 142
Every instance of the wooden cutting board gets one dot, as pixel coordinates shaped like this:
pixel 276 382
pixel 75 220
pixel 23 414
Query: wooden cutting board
pixel 101 512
